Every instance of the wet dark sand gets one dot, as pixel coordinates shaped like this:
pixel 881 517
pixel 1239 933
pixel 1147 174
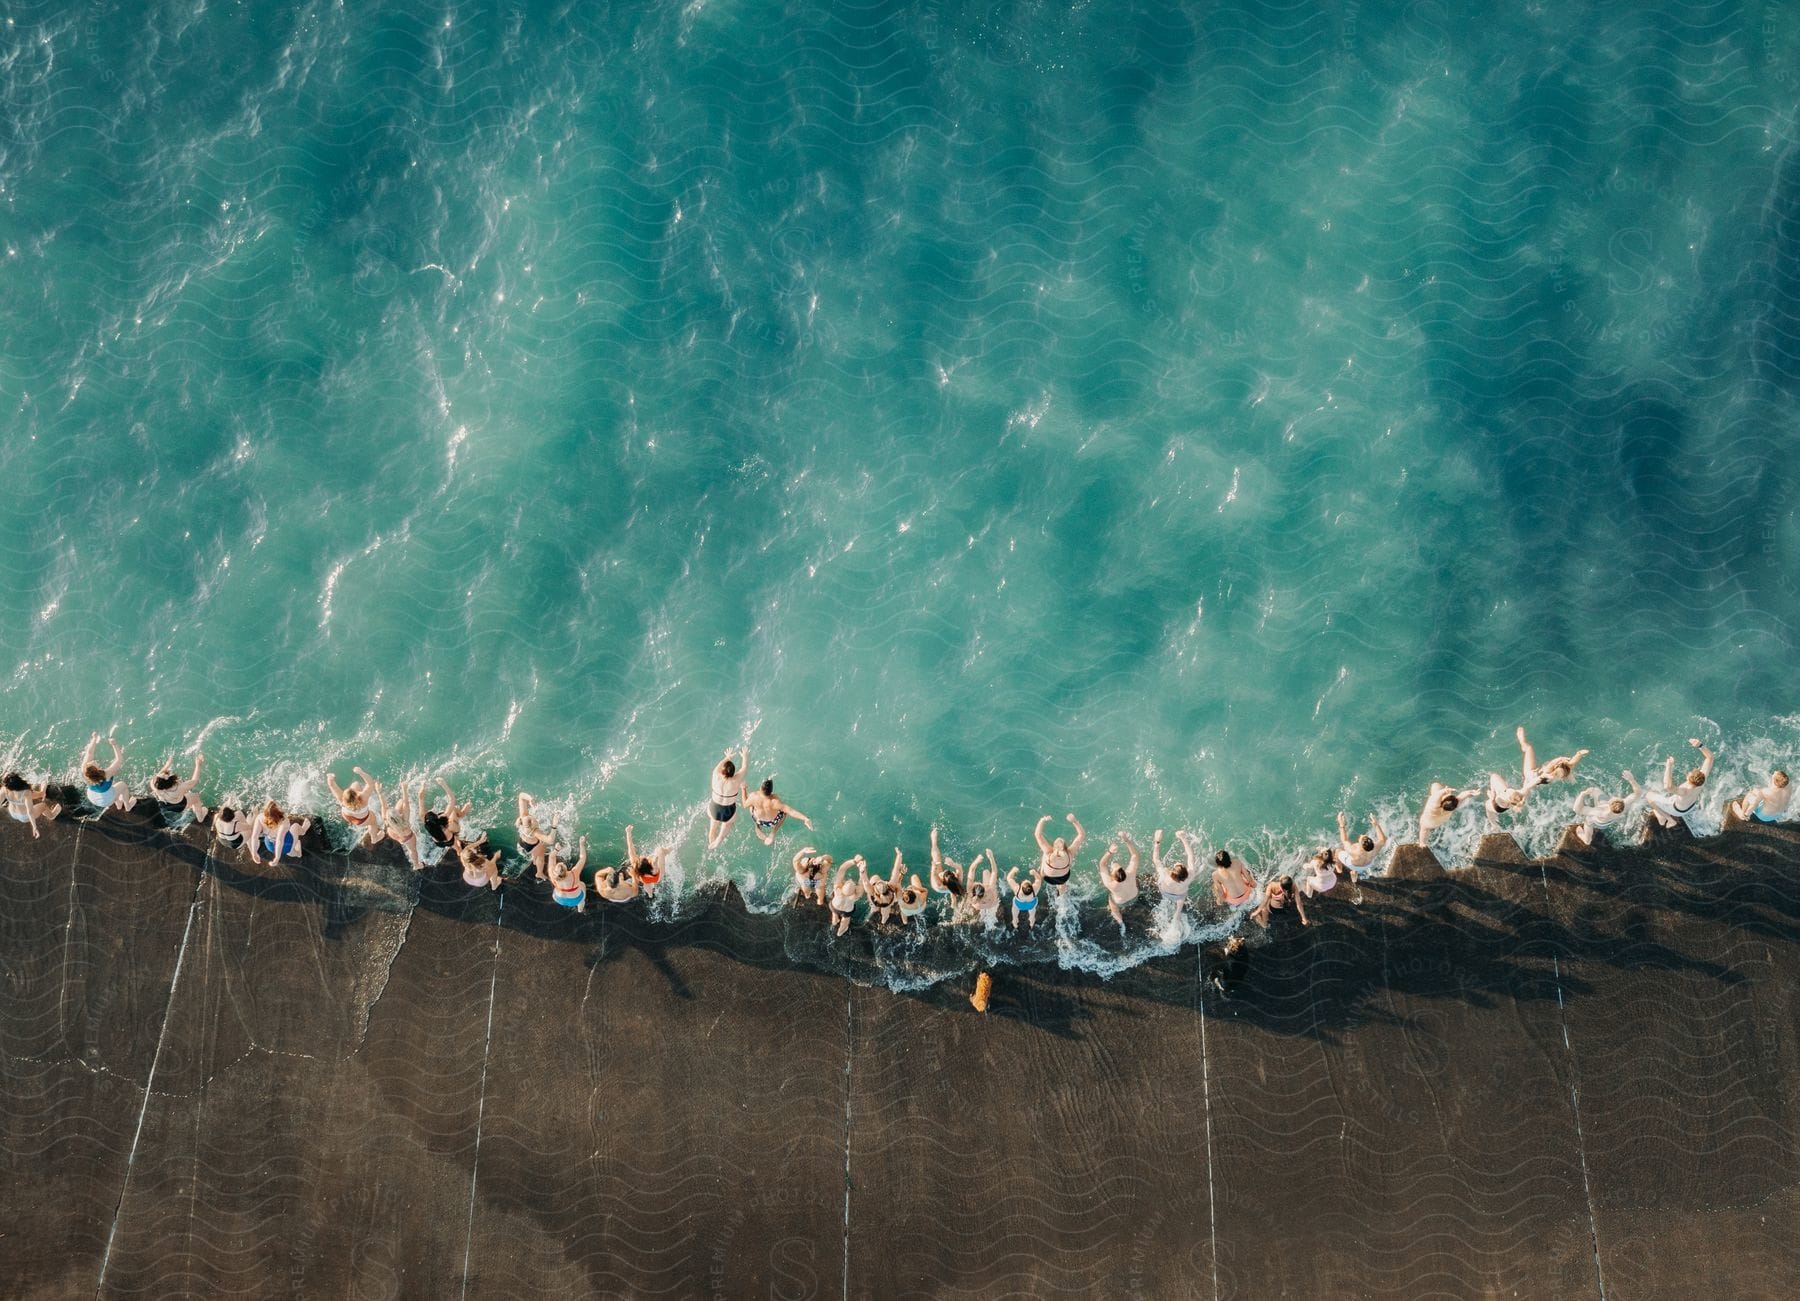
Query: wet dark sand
pixel 1579 1077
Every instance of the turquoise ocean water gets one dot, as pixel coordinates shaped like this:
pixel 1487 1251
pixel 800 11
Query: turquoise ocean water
pixel 1187 415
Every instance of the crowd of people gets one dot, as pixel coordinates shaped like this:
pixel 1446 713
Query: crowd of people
pixel 974 892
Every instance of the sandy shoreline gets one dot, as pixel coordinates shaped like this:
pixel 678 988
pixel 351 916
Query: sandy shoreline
pixel 1526 1078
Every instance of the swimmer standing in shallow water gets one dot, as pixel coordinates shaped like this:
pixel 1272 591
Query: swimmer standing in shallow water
pixel 1589 818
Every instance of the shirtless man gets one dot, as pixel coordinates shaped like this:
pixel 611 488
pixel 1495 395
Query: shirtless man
pixel 1765 803
pixel 1059 855
pixel 769 811
pixel 1440 806
pixel 1025 896
pixel 1677 802
pixel 883 892
pixel 845 891
pixel 1365 849
pixel 1119 879
pixel 356 803
pixel 27 803
pixel 1173 878
pixel 1602 812
pixel 1232 884
pixel 812 871
pixel 177 796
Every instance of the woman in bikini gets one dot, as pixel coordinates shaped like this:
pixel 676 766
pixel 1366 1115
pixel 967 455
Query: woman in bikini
pixel 1590 817
pixel 845 891
pixel 480 863
pixel 278 833
pixel 356 804
pixel 727 790
pixel 646 869
pixel 1323 872
pixel 27 803
pixel 566 886
pixel 912 901
pixel 1676 802
pixel 176 797
pixel 947 879
pixel 812 875
pixel 534 842
pixel 397 825
pixel 104 789
pixel 444 830
pixel 1440 806
pixel 1232 884
pixel 230 827
pixel 1280 895
pixel 1559 769
pixel 1119 879
pixel 1024 896
pixel 884 892
pixel 1765 803
pixel 1058 856
pixel 769 812
pixel 1173 877
pixel 984 894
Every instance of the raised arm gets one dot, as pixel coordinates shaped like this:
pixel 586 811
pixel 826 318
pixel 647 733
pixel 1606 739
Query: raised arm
pixel 337 792
pixel 1080 837
pixel 1043 844
pixel 1381 835
pixel 87 755
pixel 1343 831
pixel 1156 858
pixel 1187 848
pixel 1104 866
pixel 631 854
pixel 1012 879
pixel 843 871
pixel 797 813
pixel 1579 807
pixel 119 756
pixel 805 851
pixel 899 872
pixel 581 859
pixel 1706 756
pixel 1636 790
pixel 1669 775
pixel 1131 846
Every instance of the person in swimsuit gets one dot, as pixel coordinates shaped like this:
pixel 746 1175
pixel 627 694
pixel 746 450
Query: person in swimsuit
pixel 616 884
pixel 1280 894
pixel 812 873
pixel 1440 806
pixel 1765 803
pixel 444 829
pixel 1119 879
pixel 397 825
pixel 1364 850
pixel 481 863
pixel 947 878
pixel 1677 802
pixel 278 834
pixel 984 893
pixel 27 803
pixel 1590 817
pixel 1058 856
pixel 229 827
pixel 1025 896
pixel 845 891
pixel 769 812
pixel 1173 877
pixel 884 893
pixel 912 901
pixel 1559 769
pixel 1232 884
pixel 534 842
pixel 356 804
pixel 646 868
pixel 104 789
pixel 1502 798
pixel 727 790
pixel 175 796
pixel 1322 873
pixel 566 886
